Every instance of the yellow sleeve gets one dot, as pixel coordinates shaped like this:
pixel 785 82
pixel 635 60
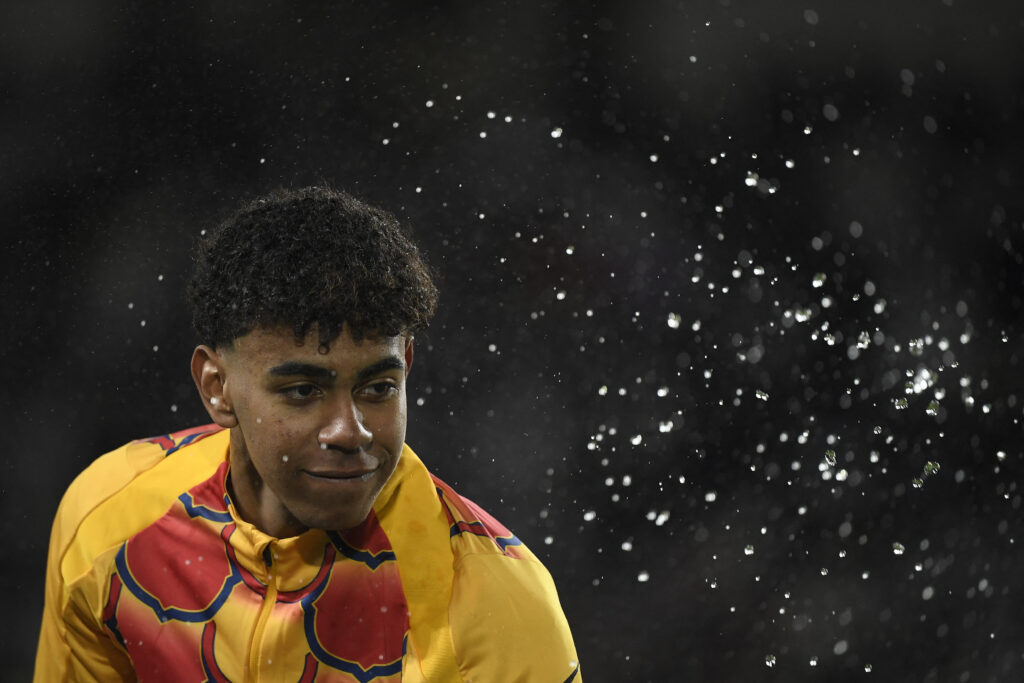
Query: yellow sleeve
pixel 72 643
pixel 120 493
pixel 507 624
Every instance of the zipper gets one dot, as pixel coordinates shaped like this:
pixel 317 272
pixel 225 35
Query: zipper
pixel 269 600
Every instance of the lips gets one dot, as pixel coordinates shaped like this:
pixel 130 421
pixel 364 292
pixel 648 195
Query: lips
pixel 350 475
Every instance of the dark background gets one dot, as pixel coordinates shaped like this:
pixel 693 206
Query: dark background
pixel 687 248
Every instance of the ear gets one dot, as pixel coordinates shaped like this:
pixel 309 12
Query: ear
pixel 408 356
pixel 210 376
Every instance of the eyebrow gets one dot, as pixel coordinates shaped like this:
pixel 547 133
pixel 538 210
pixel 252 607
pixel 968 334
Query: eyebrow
pixel 296 368
pixel 383 365
pixel 292 368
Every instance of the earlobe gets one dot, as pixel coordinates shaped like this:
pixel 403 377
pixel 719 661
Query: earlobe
pixel 210 376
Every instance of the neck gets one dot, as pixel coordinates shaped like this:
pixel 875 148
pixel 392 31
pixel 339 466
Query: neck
pixel 253 499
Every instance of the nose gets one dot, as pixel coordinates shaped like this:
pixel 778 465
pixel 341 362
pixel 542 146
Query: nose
pixel 344 429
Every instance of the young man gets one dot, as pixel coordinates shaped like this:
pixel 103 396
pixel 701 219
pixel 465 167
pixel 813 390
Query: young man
pixel 297 538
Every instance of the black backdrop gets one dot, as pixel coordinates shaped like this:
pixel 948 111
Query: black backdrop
pixel 730 331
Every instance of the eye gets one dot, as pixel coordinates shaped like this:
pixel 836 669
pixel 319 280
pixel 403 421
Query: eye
pixel 379 391
pixel 301 392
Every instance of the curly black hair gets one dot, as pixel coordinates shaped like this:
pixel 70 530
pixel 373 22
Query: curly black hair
pixel 313 256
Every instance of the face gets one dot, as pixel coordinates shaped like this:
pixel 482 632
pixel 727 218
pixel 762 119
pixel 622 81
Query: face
pixel 314 436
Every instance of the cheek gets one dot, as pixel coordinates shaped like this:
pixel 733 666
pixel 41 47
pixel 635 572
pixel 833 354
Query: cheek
pixel 274 441
pixel 394 425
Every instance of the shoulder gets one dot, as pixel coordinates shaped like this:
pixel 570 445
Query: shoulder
pixel 126 489
pixel 503 601
pixel 482 606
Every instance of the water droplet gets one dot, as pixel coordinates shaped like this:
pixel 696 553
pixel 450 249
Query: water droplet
pixel 769 661
pixel 674 320
pixel 899 403
pixel 636 439
pixel 665 426
pixel 643 577
pixel 830 457
pixel 556 133
pixel 763 395
pixel 749 550
pixel 819 280
pixel 898 548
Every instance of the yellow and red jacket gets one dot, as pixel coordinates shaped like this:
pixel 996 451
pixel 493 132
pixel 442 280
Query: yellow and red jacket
pixel 153 576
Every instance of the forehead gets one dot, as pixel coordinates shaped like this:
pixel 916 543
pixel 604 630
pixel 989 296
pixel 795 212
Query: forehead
pixel 268 346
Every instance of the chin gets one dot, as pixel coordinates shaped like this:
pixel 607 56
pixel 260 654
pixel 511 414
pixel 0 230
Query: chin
pixel 336 522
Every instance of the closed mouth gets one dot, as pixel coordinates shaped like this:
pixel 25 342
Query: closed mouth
pixel 343 475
